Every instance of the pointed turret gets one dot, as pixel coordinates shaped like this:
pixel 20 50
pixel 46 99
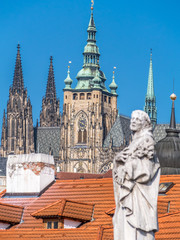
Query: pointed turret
pixel 173 120
pixel 150 101
pixel 68 81
pixel 51 88
pixel 113 86
pixel 18 82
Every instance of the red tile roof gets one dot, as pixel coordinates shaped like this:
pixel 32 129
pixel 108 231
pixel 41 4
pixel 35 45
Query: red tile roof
pixel 91 191
pixel 68 209
pixel 10 213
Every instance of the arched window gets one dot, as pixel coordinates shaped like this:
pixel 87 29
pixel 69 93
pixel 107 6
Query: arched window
pixel 82 97
pixel 75 96
pixel 80 136
pixel 89 96
pixel 84 136
pixel 13 128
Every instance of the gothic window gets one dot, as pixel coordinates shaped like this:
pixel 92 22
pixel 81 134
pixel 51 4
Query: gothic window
pixel 82 132
pixel 82 97
pixel 89 96
pixel 96 96
pixel 106 167
pixel 75 96
pixel 80 136
pixel 12 145
pixel 109 100
pixel 12 128
pixel 84 136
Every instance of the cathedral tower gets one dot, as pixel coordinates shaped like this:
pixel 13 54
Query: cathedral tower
pixel 17 131
pixel 150 101
pixel 50 115
pixel 89 111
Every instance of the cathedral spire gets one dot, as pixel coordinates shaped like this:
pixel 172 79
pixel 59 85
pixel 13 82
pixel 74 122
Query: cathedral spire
pixel 51 88
pixel 18 82
pixel 150 101
pixel 50 115
pixel 91 51
pixel 150 88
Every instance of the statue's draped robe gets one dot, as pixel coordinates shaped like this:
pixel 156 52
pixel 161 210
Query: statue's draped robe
pixel 135 217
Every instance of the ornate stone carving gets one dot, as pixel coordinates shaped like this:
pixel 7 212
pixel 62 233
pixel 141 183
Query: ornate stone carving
pixel 136 175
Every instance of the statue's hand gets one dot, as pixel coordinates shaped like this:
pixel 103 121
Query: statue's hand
pixel 122 156
pixel 119 175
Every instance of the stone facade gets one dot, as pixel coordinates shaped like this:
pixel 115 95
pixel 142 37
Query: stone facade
pixel 89 111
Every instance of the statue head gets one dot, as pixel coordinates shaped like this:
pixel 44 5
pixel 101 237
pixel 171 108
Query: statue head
pixel 140 120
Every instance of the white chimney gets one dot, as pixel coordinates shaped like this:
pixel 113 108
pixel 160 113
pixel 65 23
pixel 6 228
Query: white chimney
pixel 29 173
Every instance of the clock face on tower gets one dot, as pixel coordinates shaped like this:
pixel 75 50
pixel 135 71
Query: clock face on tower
pixel 82 123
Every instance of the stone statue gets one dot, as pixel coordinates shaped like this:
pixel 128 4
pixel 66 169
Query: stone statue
pixel 136 176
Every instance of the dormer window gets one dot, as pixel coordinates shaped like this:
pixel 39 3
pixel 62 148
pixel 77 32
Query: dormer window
pixel 65 214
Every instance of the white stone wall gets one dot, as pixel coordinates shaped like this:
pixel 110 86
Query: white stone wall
pixel 71 224
pixel 4 225
pixel 29 173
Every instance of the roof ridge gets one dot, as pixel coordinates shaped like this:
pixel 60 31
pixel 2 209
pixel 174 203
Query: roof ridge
pixel 62 206
pixel 47 206
pixel 169 214
pixel 10 205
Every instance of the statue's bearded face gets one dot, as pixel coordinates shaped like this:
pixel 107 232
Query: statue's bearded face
pixel 136 122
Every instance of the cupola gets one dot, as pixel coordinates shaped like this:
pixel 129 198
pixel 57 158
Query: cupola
pixel 68 81
pixel 168 149
pixel 113 86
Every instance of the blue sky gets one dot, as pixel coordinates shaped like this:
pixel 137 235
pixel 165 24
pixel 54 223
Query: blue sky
pixel 126 32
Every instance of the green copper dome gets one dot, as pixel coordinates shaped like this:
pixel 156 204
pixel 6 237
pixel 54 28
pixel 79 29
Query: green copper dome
pixel 68 81
pixel 113 86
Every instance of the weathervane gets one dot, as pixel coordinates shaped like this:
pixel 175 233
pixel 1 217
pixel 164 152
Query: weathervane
pixel 114 70
pixel 69 65
pixel 92 4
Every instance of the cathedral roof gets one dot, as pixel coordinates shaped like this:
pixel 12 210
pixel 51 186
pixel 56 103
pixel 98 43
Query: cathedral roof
pixel 3 166
pixel 160 131
pixel 48 140
pixel 120 132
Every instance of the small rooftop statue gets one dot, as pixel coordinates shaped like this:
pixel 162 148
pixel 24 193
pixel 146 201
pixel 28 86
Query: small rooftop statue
pixel 136 176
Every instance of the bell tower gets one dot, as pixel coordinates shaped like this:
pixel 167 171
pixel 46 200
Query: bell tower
pixel 89 111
